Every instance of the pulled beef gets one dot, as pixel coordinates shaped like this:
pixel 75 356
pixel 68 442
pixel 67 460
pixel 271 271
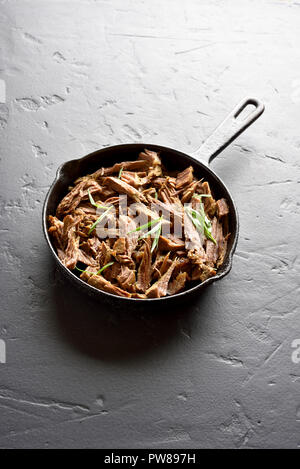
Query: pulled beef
pixel 86 259
pixel 133 179
pixel 184 178
pixel 119 247
pixel 166 263
pixel 170 244
pixel 212 251
pixel 177 284
pixel 189 192
pixel 144 272
pixel 71 239
pixel 120 252
pixel 98 281
pixel 113 272
pixel 123 188
pixel 167 192
pixel 126 278
pixel 91 246
pixel 151 157
pixel 75 196
pixel 85 208
pixel 105 254
pixel 222 245
pixel 160 287
pixel 125 166
pixel 197 256
pixel 149 193
pixel 209 202
pixel 154 162
pixel 202 272
pixel 216 252
pixel 56 231
pixel 134 267
pixel 193 239
pixel 222 208
pixel 66 239
pixel 169 210
pixel 144 211
pixel 155 269
pixel 184 264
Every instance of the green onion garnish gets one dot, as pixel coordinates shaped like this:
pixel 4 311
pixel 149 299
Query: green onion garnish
pixel 201 222
pixel 199 196
pixel 156 229
pixel 93 201
pixel 120 173
pixel 147 225
pixel 155 241
pixel 100 219
pixel 104 267
pixel 80 270
pixel 99 271
pixel 150 232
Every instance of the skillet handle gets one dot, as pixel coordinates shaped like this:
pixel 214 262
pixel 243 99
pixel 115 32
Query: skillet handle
pixel 229 129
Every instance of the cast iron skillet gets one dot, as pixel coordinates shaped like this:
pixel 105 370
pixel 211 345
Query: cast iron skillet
pixel 230 128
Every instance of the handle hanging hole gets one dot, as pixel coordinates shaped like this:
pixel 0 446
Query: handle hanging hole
pixel 245 112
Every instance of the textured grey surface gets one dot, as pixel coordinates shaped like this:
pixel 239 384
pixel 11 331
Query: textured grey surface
pixel 216 373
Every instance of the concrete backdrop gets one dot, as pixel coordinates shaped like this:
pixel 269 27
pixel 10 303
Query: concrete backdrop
pixel 79 75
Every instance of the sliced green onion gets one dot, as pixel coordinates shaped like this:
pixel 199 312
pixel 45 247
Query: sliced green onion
pixel 150 232
pixel 201 221
pixel 95 273
pixel 156 239
pixel 80 270
pixel 104 267
pixel 120 173
pixel 208 234
pixel 99 219
pixel 147 225
pixel 199 196
pixel 93 201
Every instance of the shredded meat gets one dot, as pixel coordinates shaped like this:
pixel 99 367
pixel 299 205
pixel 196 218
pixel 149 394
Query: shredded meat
pixel 212 248
pixel 91 246
pixel 209 202
pixel 170 244
pixel 189 192
pixel 177 284
pixel 159 288
pixel 202 272
pixel 75 196
pixel 71 253
pixel 126 278
pixel 193 239
pixel 125 166
pixel 121 256
pixel 86 259
pixel 123 188
pixel 184 178
pixel 222 208
pixel 169 210
pixel 56 231
pixel 101 283
pixel 144 272
pixel 134 179
pixel 151 157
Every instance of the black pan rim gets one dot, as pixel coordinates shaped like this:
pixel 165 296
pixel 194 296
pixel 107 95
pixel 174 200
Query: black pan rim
pixel 97 292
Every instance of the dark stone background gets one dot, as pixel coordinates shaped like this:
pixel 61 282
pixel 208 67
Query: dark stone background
pixel 84 74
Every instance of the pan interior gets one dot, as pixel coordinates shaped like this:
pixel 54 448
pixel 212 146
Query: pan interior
pixel 173 160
